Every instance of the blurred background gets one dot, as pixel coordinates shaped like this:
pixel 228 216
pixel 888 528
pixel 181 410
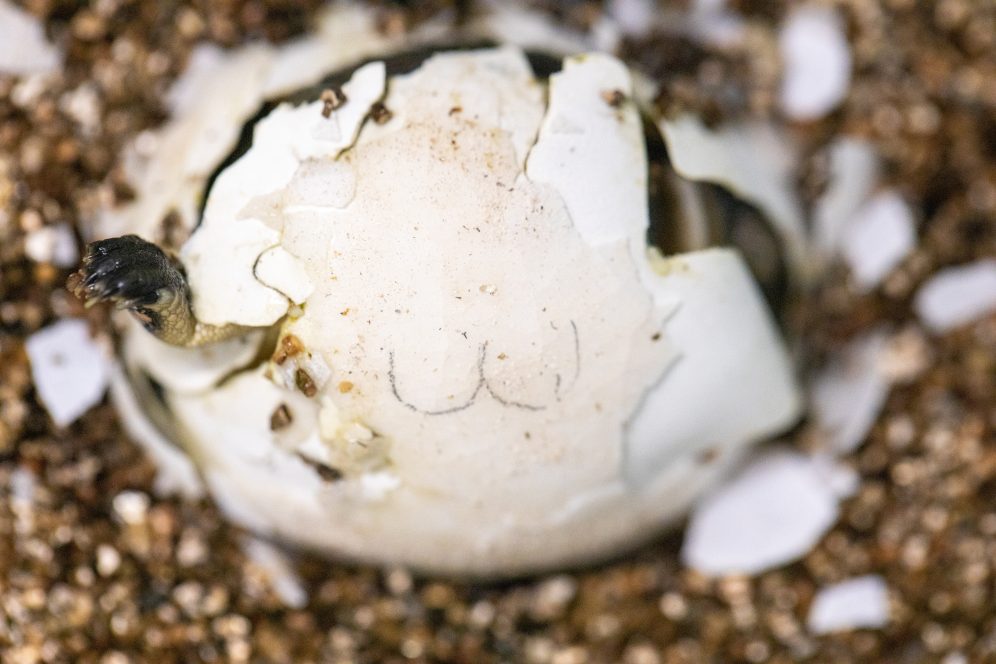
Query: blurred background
pixel 896 564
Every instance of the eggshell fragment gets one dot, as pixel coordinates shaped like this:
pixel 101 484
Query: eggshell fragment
pixel 853 176
pixel 879 237
pixel 52 244
pixel 957 295
pixel 225 288
pixel 175 472
pixel 592 151
pixel 712 292
pixel 70 371
pixel 255 481
pixel 772 513
pixel 279 270
pixel 858 603
pixel 635 17
pixel 286 138
pixel 279 571
pixel 494 88
pixel 816 60
pixel 222 276
pixel 217 93
pixel 23 47
pixel 847 396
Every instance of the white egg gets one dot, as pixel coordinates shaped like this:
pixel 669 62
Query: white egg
pixel 475 362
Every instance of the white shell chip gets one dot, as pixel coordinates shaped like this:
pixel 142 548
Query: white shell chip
pixel 23 47
pixel 859 603
pixel 817 62
pixel 958 295
pixel 879 237
pixel 847 396
pixel 52 244
pixel 70 370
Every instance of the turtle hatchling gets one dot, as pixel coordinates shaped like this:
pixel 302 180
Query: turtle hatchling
pixel 443 300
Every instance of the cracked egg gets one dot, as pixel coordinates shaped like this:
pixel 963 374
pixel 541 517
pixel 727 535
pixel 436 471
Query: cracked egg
pixel 453 309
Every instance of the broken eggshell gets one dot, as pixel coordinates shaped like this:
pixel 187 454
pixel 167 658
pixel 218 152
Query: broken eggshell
pixel 474 363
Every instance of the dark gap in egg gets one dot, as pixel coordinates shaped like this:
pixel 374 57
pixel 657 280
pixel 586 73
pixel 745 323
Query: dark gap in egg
pixel 156 389
pixel 740 224
pixel 151 396
pixel 663 205
pixel 688 216
pixel 324 471
pixel 544 65
pixel 281 418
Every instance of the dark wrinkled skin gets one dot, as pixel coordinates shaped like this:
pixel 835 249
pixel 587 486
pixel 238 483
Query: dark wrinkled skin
pixel 138 276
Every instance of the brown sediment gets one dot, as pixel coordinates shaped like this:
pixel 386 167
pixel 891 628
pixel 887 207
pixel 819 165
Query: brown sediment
pixel 380 113
pixel 332 99
pixel 289 346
